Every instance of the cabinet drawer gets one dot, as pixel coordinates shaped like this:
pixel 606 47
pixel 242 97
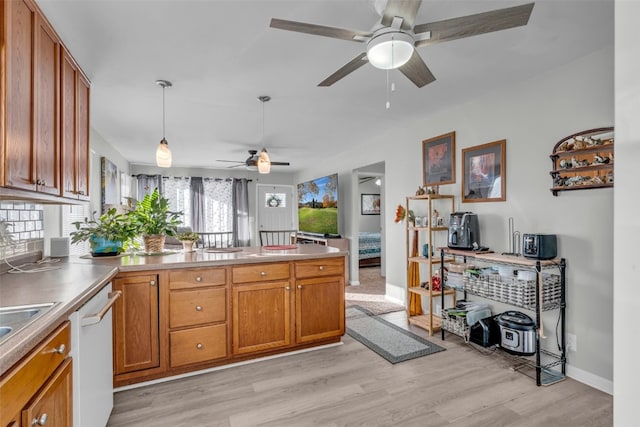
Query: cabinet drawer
pixel 319 268
pixel 198 344
pixel 190 308
pixel 260 272
pixel 26 378
pixel 197 277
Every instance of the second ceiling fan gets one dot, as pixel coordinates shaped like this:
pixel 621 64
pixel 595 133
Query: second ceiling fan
pixel 392 41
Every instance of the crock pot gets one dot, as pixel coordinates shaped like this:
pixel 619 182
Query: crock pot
pixel 517 333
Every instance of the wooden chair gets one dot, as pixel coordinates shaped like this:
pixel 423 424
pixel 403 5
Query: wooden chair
pixel 219 239
pixel 277 237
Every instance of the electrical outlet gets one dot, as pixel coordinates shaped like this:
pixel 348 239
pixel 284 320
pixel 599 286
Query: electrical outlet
pixel 572 342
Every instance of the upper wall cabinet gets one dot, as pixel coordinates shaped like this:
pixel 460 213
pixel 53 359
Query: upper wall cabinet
pixel 74 119
pixel 583 160
pixel 41 113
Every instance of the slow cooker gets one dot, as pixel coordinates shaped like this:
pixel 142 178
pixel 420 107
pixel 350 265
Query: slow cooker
pixel 517 333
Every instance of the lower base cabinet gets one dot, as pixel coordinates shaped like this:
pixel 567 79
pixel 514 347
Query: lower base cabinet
pixel 170 322
pixel 38 390
pixel 52 405
pixel 261 317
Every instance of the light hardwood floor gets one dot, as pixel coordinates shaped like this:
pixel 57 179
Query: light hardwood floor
pixel 349 385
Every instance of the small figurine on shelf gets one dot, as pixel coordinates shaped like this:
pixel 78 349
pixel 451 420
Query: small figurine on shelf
pixel 436 282
pixel 434 217
pixel 420 191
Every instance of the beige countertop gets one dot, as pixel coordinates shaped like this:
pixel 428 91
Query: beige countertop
pixel 79 278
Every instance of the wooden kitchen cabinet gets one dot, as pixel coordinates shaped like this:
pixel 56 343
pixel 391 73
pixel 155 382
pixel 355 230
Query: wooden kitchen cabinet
pixel 44 128
pixel 31 130
pixel 261 316
pixel 136 324
pixel 319 308
pixel 74 119
pixel 40 384
pixel 198 316
pixel 52 405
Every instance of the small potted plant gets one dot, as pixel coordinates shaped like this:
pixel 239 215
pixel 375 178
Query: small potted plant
pixel 109 235
pixel 155 221
pixel 188 239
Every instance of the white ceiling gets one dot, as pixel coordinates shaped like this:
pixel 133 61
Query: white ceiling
pixel 221 55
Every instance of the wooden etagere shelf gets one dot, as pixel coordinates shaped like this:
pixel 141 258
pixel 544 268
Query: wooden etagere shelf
pixel 426 206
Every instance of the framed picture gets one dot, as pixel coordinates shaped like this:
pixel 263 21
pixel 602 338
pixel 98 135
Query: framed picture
pixel 110 184
pixel 484 176
pixel 439 160
pixel 370 204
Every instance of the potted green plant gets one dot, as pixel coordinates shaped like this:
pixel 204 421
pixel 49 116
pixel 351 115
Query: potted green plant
pixel 109 235
pixel 188 239
pixel 155 221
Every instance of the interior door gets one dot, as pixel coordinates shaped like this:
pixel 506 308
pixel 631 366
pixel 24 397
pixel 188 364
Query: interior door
pixel 275 207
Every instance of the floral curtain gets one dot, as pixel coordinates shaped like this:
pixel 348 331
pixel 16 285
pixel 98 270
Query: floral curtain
pixel 177 191
pixel 218 204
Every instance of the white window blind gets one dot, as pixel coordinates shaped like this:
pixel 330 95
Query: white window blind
pixel 69 215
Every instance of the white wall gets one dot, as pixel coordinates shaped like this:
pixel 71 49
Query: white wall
pixel 626 219
pixel 532 117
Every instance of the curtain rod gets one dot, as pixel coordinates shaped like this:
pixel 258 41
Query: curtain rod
pixel 182 177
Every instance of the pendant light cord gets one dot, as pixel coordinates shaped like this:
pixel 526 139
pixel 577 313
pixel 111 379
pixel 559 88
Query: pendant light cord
pixel 163 113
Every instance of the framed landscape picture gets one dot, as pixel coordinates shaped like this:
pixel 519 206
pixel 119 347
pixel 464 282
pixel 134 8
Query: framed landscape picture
pixel 110 183
pixel 484 173
pixel 439 160
pixel 370 204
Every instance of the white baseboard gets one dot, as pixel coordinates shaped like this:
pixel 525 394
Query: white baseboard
pixel 354 282
pixel 590 379
pixel 394 300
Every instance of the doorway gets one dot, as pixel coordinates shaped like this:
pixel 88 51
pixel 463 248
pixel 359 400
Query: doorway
pixel 275 208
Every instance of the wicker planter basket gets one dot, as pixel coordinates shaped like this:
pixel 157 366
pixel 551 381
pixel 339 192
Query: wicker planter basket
pixel 154 243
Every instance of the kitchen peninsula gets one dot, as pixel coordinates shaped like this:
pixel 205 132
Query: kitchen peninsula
pixel 183 312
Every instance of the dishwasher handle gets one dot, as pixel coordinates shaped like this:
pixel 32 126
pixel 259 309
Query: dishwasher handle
pixel 92 319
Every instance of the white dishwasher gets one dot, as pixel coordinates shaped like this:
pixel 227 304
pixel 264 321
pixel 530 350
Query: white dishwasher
pixel 92 352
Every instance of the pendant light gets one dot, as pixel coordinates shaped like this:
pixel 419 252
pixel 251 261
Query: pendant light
pixel 264 162
pixel 163 153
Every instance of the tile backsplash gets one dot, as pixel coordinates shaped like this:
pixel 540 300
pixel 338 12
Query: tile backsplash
pixel 25 223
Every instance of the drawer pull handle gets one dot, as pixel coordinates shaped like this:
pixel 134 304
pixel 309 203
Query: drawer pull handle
pixel 299 286
pixel 199 346
pixel 152 282
pixel 287 288
pixel 198 279
pixel 263 273
pixel 92 319
pixel 198 308
pixel 61 349
pixel 40 421
pixel 322 268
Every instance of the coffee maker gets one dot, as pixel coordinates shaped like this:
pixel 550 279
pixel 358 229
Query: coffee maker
pixel 464 230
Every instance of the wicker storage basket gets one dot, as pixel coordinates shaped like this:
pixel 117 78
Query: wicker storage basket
pixel 154 243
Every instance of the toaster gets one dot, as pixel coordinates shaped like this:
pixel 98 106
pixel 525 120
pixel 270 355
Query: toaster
pixel 539 246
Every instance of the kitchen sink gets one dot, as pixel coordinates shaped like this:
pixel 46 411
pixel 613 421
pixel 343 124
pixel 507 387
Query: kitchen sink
pixel 14 318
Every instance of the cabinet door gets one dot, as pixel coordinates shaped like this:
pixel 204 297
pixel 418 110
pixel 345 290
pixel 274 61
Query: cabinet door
pixel 68 75
pixel 82 143
pixel 319 308
pixel 135 324
pixel 46 77
pixel 52 405
pixel 19 161
pixel 261 317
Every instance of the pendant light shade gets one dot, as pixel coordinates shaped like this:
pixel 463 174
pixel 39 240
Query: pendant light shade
pixel 264 162
pixel 163 153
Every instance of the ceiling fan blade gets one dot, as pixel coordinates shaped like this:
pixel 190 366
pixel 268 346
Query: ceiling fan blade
pixel 417 71
pixel 405 9
pixel 320 30
pixel 473 25
pixel 280 163
pixel 347 69
pixel 229 161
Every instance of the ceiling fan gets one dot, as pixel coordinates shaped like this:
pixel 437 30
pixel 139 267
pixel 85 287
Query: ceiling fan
pixel 392 41
pixel 252 160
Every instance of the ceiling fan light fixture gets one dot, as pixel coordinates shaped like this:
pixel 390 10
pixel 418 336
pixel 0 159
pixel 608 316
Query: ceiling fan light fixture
pixel 390 50
pixel 264 162
pixel 163 153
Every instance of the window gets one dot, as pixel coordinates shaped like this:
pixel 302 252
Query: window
pixel 177 191
pixel 69 215
pixel 218 205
